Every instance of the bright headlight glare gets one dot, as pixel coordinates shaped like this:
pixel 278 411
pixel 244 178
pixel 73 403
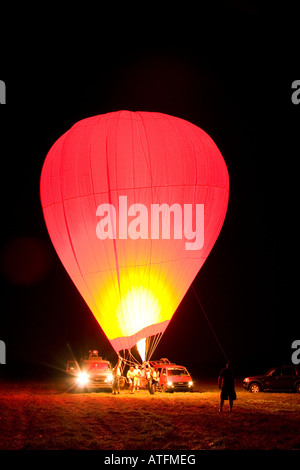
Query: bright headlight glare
pixel 82 378
pixel 190 383
pixel 109 378
pixel 169 384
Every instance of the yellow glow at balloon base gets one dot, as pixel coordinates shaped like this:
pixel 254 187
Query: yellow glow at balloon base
pixel 141 297
pixel 141 306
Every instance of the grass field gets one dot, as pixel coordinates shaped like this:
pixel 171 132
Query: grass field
pixel 44 416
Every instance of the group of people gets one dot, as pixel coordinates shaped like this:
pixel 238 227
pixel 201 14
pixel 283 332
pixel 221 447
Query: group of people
pixel 135 376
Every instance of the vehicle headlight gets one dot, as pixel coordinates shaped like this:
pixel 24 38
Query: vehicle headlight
pixel 82 378
pixel 109 378
pixel 246 380
pixel 190 383
pixel 169 384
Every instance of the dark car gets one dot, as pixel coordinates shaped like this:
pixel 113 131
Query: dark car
pixel 280 379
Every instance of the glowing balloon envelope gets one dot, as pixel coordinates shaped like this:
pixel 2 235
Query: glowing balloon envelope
pixel 133 203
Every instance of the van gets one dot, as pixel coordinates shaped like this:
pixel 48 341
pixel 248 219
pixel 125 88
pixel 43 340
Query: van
pixel 172 377
pixel 91 373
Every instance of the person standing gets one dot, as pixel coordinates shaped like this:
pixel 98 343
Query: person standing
pixel 137 378
pixel 116 376
pixel 226 384
pixel 130 378
pixel 149 377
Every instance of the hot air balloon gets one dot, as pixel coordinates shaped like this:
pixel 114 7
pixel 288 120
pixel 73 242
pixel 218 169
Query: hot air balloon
pixel 133 203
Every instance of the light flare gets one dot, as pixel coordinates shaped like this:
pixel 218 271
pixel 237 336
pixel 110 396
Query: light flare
pixel 82 378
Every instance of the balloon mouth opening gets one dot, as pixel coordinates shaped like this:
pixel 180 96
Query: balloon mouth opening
pixel 142 344
pixel 141 347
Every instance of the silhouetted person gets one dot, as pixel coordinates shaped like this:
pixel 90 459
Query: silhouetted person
pixel 117 376
pixel 226 383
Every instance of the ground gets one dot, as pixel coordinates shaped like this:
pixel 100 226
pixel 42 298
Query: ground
pixel 44 416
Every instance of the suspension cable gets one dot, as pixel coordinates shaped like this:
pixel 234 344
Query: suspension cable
pixel 210 325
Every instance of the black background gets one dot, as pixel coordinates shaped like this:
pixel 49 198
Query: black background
pixel 227 67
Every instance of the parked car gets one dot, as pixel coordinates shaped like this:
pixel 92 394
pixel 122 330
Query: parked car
pixel 281 379
pixel 172 377
pixel 91 373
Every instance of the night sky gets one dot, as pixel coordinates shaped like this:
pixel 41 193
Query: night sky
pixel 229 70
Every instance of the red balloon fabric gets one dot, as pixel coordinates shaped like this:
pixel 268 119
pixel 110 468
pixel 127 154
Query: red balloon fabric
pixel 134 202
